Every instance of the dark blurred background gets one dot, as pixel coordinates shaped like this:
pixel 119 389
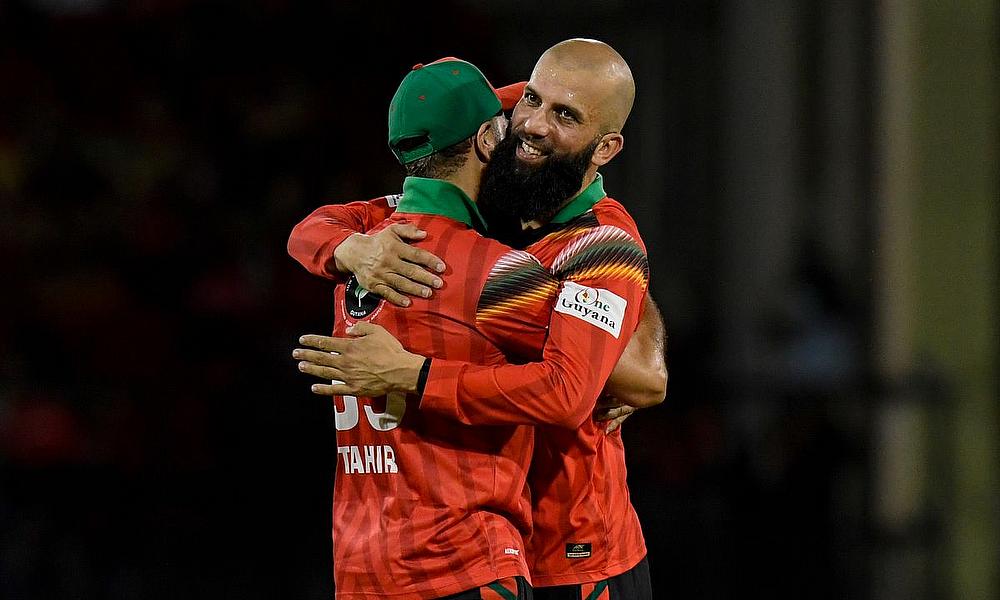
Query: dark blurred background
pixel 817 184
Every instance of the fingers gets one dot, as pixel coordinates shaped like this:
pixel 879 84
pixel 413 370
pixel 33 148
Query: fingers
pixel 396 288
pixel 614 415
pixel 319 357
pixel 607 413
pixel 401 284
pixel 324 365
pixel 418 275
pixel 616 423
pixel 324 342
pixel 320 371
pixel 396 270
pixel 365 328
pixel 390 295
pixel 323 389
pixel 408 231
pixel 405 233
pixel 419 256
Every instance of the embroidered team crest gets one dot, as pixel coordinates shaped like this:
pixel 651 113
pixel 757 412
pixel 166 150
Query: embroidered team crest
pixel 360 302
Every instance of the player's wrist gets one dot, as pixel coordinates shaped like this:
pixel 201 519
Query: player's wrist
pixel 410 376
pixel 425 371
pixel 346 252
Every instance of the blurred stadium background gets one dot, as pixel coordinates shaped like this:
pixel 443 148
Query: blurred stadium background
pixel 817 183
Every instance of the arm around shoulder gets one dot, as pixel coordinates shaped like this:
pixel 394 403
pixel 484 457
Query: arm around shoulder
pixel 314 240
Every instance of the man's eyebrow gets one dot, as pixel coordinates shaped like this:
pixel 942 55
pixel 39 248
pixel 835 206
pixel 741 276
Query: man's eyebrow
pixel 576 114
pixel 572 111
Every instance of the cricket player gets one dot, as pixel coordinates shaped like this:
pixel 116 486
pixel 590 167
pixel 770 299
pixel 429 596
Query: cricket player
pixel 587 541
pixel 424 509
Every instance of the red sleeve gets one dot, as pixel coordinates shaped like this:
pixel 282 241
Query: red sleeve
pixel 604 276
pixel 313 240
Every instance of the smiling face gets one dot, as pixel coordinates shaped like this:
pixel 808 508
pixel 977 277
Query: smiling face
pixel 565 126
pixel 553 118
pixel 579 95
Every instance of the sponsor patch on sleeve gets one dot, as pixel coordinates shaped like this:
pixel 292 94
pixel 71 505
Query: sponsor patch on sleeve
pixel 601 308
pixel 393 200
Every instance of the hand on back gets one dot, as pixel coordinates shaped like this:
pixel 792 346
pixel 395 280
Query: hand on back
pixel 386 264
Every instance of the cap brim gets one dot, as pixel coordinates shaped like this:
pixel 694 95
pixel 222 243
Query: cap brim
pixel 511 94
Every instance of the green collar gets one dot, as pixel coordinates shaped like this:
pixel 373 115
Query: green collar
pixel 582 202
pixel 437 197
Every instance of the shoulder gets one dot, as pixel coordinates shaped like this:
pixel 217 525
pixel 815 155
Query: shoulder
pixel 608 246
pixel 609 211
pixel 434 225
pixel 391 201
pixel 383 205
pixel 456 243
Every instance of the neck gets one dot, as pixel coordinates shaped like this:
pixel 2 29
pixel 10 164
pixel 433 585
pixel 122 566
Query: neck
pixel 467 179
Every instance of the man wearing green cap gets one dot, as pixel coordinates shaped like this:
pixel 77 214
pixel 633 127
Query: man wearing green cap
pixel 593 247
pixel 423 509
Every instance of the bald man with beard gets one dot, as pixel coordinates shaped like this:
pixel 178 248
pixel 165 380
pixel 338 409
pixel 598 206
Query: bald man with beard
pixel 542 192
pixel 567 125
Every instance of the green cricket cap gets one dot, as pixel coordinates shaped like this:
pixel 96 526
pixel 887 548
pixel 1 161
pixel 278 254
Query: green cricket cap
pixel 442 103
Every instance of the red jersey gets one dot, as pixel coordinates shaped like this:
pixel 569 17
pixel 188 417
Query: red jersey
pixel 586 528
pixel 425 507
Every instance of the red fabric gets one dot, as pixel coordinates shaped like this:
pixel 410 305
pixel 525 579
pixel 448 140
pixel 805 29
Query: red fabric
pixel 578 477
pixel 511 94
pixel 314 239
pixel 450 510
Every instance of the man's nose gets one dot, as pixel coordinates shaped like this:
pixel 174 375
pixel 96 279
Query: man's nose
pixel 536 125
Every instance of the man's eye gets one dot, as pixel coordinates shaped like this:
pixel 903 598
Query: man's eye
pixel 565 114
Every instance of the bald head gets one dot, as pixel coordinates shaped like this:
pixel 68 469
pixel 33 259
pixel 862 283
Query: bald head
pixel 609 86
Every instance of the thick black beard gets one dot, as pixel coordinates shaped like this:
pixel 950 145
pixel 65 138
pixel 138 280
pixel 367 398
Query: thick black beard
pixel 512 191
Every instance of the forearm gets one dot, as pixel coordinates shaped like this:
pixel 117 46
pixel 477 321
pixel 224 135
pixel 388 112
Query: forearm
pixel 640 377
pixel 560 390
pixel 543 393
pixel 314 241
pixel 638 385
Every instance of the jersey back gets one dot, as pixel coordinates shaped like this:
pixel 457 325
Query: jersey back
pixel 425 506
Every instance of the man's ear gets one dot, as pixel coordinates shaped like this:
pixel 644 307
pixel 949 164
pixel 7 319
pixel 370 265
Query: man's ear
pixel 609 147
pixel 485 142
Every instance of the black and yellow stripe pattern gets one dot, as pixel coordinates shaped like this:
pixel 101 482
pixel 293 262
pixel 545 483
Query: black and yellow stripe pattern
pixel 571 229
pixel 516 283
pixel 602 252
